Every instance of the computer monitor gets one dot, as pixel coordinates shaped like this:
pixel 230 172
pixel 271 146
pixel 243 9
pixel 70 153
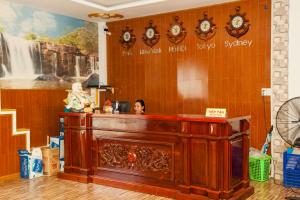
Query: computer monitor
pixel 123 106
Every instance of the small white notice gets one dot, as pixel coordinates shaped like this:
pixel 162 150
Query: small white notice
pixel 215 112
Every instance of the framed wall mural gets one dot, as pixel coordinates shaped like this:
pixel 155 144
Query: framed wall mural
pixel 127 38
pixel 39 49
pixel 151 36
pixel 176 32
pixel 206 29
pixel 238 25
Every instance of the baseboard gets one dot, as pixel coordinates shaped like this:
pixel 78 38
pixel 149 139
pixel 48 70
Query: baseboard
pixel 10 177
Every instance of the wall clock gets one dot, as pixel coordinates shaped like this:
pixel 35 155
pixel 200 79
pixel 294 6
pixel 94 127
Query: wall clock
pixel 151 35
pixel 206 29
pixel 176 32
pixel 127 38
pixel 238 25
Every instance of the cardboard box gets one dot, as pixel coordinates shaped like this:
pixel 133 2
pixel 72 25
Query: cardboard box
pixel 62 165
pixel 31 163
pixel 50 161
pixel 24 163
pixel 58 141
pixel 61 126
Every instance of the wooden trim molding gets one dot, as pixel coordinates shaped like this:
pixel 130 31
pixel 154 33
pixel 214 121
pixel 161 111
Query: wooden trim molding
pixel 16 131
pixel 9 177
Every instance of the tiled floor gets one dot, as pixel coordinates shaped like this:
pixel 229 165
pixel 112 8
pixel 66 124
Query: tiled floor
pixel 53 188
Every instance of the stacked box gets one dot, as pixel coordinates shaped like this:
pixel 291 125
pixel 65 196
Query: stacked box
pixel 61 133
pixel 62 165
pixel 31 163
pixel 58 142
pixel 24 163
pixel 291 169
pixel 50 161
pixel 35 163
pixel 61 126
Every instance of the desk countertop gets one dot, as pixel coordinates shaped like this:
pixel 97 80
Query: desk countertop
pixel 178 117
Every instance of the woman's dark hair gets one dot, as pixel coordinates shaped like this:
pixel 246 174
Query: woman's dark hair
pixel 141 101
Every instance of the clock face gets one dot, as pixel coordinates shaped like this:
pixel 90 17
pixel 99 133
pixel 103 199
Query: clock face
pixel 205 26
pixel 175 30
pixel 150 33
pixel 126 36
pixel 237 22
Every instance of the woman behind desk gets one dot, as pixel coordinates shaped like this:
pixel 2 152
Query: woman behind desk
pixel 124 106
pixel 139 106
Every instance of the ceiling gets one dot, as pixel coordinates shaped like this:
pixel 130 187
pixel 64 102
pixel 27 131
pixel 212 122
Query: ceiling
pixel 128 8
pixel 112 2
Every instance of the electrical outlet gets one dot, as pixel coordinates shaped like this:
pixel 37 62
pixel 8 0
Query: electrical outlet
pixel 266 91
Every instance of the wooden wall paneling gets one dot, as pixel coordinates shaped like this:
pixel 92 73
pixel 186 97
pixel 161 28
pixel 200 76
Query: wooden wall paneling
pixel 37 110
pixel 153 77
pixel 169 74
pixel 264 60
pixel 9 146
pixel 165 80
pixel 190 81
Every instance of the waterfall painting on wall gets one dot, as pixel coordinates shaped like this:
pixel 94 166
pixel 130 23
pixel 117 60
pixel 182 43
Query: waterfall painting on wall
pixel 39 49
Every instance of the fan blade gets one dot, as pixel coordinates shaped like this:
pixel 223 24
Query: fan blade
pixel 294 135
pixel 282 133
pixel 295 108
pixel 287 114
pixel 287 122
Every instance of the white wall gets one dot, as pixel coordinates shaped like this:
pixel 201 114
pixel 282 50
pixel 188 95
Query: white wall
pixel 102 53
pixel 294 49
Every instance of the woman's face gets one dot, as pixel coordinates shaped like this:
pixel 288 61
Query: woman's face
pixel 138 108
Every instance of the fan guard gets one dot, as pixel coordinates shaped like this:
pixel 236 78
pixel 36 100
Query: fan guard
pixel 288 121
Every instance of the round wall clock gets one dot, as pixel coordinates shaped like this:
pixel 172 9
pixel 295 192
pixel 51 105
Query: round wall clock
pixel 206 29
pixel 238 25
pixel 151 35
pixel 127 38
pixel 205 26
pixel 176 32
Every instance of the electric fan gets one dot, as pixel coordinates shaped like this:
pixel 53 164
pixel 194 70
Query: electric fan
pixel 288 127
pixel 288 122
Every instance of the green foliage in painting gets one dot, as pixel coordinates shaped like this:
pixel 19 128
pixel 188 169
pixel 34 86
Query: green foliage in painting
pixel 44 38
pixel 70 38
pixel 30 36
pixel 84 38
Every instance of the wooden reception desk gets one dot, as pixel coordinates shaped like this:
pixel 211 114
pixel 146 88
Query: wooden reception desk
pixel 182 157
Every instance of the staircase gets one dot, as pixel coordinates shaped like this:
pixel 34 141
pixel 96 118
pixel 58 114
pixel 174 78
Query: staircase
pixel 16 131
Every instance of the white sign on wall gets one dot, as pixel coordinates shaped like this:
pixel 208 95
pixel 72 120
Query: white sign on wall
pixel 215 112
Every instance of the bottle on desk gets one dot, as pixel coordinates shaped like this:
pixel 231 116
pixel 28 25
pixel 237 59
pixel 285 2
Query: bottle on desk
pixel 116 108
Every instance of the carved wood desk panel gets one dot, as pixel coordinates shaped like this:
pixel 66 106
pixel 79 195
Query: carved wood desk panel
pixel 182 157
